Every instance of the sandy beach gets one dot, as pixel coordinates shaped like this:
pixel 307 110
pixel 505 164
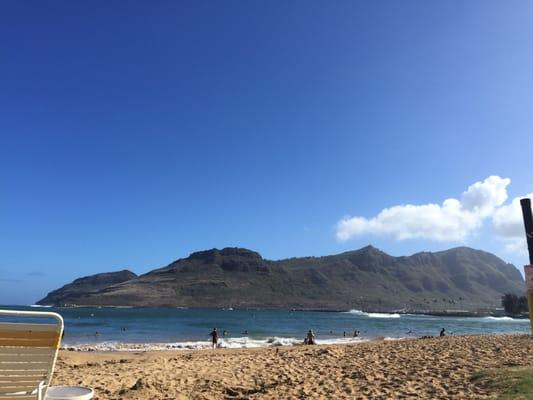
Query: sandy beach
pixel 437 368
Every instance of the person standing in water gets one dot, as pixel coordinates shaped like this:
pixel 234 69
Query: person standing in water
pixel 442 332
pixel 214 338
pixel 310 337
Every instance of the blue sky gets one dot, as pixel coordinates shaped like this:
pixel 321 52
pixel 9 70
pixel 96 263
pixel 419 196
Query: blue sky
pixel 133 133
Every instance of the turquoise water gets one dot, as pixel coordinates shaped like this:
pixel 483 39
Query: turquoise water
pixel 111 328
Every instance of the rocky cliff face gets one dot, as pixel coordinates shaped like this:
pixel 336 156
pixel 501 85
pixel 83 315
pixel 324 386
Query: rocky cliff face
pixel 460 278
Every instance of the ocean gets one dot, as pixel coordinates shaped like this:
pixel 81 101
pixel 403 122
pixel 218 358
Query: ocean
pixel 93 328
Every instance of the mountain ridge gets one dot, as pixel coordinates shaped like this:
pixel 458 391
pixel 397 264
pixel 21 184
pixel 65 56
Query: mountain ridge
pixel 90 283
pixel 366 278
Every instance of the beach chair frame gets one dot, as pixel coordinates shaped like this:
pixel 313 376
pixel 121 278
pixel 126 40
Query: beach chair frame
pixel 28 354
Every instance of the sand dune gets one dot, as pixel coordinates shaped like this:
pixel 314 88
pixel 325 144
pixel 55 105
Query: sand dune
pixel 439 368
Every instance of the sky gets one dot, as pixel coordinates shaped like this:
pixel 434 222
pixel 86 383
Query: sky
pixel 134 133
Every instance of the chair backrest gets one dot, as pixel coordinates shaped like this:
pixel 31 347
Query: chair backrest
pixel 28 352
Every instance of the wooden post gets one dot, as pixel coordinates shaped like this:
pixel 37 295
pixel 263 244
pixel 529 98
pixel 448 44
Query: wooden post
pixel 528 269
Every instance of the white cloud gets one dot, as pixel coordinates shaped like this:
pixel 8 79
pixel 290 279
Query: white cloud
pixel 508 225
pixel 484 197
pixel 453 220
pixel 517 246
pixel 507 220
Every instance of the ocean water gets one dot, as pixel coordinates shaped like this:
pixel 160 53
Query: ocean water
pixel 167 328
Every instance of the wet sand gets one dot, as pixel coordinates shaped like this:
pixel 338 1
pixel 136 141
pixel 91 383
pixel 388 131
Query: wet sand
pixel 437 368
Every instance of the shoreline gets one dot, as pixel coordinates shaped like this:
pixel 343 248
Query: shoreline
pixel 246 342
pixel 224 344
pixel 436 368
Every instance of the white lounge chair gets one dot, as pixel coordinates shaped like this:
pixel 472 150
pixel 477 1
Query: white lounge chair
pixel 28 352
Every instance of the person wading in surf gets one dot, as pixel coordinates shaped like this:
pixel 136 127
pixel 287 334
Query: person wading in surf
pixel 310 339
pixel 214 337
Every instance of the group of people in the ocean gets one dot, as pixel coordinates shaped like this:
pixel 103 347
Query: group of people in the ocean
pixel 309 339
pixel 214 336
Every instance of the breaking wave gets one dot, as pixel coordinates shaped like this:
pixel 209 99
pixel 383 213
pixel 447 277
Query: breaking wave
pixel 228 343
pixel 502 319
pixel 373 315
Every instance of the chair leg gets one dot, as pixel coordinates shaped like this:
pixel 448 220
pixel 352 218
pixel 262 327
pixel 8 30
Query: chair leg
pixel 40 391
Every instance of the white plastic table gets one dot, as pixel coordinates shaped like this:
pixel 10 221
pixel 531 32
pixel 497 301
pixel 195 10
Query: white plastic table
pixel 69 393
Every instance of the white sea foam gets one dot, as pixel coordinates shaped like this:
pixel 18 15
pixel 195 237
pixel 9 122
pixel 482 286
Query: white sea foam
pixel 382 315
pixel 356 312
pixel 225 343
pixel 502 319
pixel 119 346
pixel 374 315
pixel 346 340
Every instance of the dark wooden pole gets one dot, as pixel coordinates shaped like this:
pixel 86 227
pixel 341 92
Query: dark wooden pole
pixel 528 269
pixel 528 224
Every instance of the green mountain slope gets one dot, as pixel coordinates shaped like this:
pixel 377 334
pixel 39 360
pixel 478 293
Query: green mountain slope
pixel 82 287
pixel 369 279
